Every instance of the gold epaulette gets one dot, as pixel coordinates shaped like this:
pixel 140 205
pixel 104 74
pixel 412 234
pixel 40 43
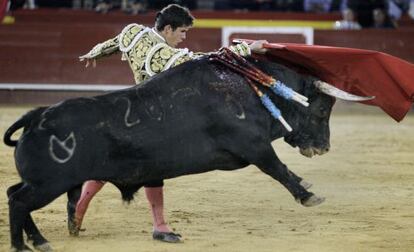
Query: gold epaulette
pixel 162 57
pixel 130 36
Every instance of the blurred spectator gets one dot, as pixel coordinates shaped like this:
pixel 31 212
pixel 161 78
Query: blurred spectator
pixel 396 8
pixel 243 5
pixel 222 4
pixel 348 21
pixel 103 6
pixel 381 19
pixel 16 4
pixel 134 7
pixel 159 4
pixel 233 5
pixel 364 9
pixel 403 5
pixel 411 9
pixel 54 3
pixel 253 5
pixel 30 4
pixel 288 5
pixel 317 5
pixel 337 5
pixel 264 4
pixel 205 4
pixel 3 9
pixel 83 4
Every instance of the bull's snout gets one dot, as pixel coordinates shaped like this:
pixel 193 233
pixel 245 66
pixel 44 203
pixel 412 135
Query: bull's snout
pixel 311 151
pixel 323 151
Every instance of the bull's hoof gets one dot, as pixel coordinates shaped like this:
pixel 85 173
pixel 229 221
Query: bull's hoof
pixel 73 231
pixel 74 228
pixel 42 245
pixel 45 247
pixel 166 236
pixel 305 184
pixel 312 201
pixel 24 249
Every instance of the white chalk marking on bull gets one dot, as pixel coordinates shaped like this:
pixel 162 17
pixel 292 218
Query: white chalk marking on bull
pixel 40 126
pixel 63 144
pixel 230 100
pixel 185 92
pixel 151 111
pixel 242 116
pixel 153 107
pixel 127 113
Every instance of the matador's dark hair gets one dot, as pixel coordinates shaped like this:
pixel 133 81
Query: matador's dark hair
pixel 174 15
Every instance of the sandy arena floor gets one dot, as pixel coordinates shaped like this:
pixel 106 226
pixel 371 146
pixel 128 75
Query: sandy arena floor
pixel 367 179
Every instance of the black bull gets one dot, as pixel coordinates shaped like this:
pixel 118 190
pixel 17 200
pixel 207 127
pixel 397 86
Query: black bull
pixel 194 118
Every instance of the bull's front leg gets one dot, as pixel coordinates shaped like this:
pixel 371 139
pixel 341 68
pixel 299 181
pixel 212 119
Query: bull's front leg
pixel 267 161
pixel 300 180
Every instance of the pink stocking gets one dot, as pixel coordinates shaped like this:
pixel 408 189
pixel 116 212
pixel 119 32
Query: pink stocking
pixel 89 189
pixel 155 198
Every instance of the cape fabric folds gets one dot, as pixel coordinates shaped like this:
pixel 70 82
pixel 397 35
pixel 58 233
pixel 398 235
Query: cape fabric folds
pixel 360 72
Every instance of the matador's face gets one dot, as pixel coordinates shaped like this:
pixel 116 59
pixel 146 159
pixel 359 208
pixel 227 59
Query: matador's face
pixel 174 37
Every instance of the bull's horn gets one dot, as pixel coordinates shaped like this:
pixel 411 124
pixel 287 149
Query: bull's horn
pixel 336 92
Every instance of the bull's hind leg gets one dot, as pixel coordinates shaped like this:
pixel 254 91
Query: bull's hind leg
pixel 18 213
pixel 22 200
pixel 32 232
pixel 266 159
pixel 73 197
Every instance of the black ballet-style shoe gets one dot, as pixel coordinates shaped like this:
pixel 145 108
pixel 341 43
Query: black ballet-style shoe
pixel 166 236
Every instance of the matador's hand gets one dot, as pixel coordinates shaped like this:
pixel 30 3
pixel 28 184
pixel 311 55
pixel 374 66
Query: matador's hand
pixel 88 60
pixel 257 46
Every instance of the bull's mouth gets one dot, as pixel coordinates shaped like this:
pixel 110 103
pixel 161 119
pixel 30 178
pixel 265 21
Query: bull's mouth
pixel 311 151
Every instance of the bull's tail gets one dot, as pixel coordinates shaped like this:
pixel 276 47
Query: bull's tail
pixel 24 121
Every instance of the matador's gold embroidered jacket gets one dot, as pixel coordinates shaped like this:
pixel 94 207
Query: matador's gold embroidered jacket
pixel 147 52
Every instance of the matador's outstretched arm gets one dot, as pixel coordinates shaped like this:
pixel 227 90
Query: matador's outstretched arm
pixel 105 48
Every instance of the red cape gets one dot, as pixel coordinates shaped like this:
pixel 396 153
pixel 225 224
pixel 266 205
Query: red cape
pixel 360 72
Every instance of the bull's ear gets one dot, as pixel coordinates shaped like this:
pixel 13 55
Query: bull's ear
pixel 338 93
